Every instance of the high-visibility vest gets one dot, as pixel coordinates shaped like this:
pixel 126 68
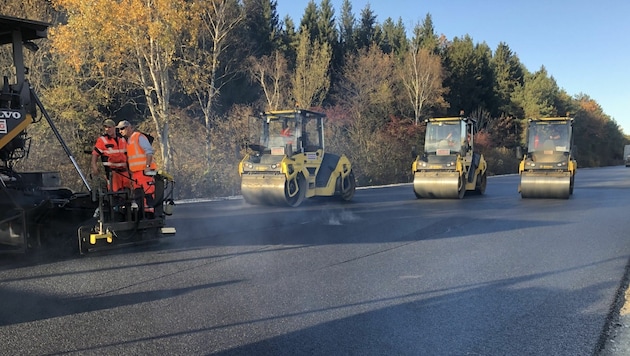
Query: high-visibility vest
pixel 114 150
pixel 135 154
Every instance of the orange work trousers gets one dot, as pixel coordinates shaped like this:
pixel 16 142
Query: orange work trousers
pixel 118 180
pixel 147 183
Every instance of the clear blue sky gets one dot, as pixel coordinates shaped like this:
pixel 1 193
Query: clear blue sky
pixel 583 44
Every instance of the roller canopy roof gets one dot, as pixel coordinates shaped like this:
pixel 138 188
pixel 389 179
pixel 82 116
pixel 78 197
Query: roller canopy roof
pixel 31 30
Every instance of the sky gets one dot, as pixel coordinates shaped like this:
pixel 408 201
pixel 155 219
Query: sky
pixel 583 44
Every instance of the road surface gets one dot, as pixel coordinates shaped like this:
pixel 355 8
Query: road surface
pixel 383 274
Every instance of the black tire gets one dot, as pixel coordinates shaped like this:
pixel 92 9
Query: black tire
pixel 299 184
pixel 482 181
pixel 351 183
pixel 461 189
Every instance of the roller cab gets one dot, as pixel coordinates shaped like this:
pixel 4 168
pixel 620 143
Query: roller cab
pixel 288 163
pixel 548 167
pixel 449 166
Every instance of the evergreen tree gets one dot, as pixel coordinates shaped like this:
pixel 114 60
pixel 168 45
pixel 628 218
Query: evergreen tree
pixel 470 77
pixel 366 31
pixel 537 96
pixel 329 34
pixel 347 23
pixel 393 39
pixel 289 39
pixel 262 26
pixel 508 72
pixel 310 20
pixel 424 35
pixel 326 24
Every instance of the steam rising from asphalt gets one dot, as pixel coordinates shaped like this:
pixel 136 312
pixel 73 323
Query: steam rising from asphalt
pixel 336 217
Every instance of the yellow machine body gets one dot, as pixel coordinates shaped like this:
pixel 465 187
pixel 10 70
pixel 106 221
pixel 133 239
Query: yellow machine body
pixel 449 166
pixel 107 236
pixel 290 163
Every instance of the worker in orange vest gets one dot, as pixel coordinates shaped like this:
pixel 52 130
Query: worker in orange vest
pixel 112 150
pixel 140 161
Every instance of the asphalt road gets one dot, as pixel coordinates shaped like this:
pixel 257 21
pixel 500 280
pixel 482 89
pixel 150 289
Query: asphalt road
pixel 384 274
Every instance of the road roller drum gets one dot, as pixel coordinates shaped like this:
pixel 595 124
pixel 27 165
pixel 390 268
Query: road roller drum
pixel 271 190
pixel 438 185
pixel 553 186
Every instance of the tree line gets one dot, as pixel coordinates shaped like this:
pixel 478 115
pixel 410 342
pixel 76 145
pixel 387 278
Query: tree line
pixel 195 73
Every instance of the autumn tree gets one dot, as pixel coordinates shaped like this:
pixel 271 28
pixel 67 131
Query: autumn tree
pixel 365 92
pixel 73 108
pixel 38 10
pixel 272 74
pixel 421 74
pixel 311 80
pixel 204 67
pixel 41 69
pixel 598 138
pixel 133 42
pixel 260 34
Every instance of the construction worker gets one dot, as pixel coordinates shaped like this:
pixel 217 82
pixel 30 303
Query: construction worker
pixel 141 165
pixel 112 149
pixel 286 130
pixel 449 140
pixel 286 133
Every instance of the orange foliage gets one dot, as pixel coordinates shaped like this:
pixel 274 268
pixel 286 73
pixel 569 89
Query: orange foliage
pixel 403 129
pixel 107 32
pixel 590 106
pixel 483 141
pixel 337 115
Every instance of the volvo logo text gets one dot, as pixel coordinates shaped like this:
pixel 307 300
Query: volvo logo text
pixel 10 114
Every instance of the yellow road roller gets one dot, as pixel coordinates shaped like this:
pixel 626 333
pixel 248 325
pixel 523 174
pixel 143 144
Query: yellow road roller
pixel 289 163
pixel 548 167
pixel 449 165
